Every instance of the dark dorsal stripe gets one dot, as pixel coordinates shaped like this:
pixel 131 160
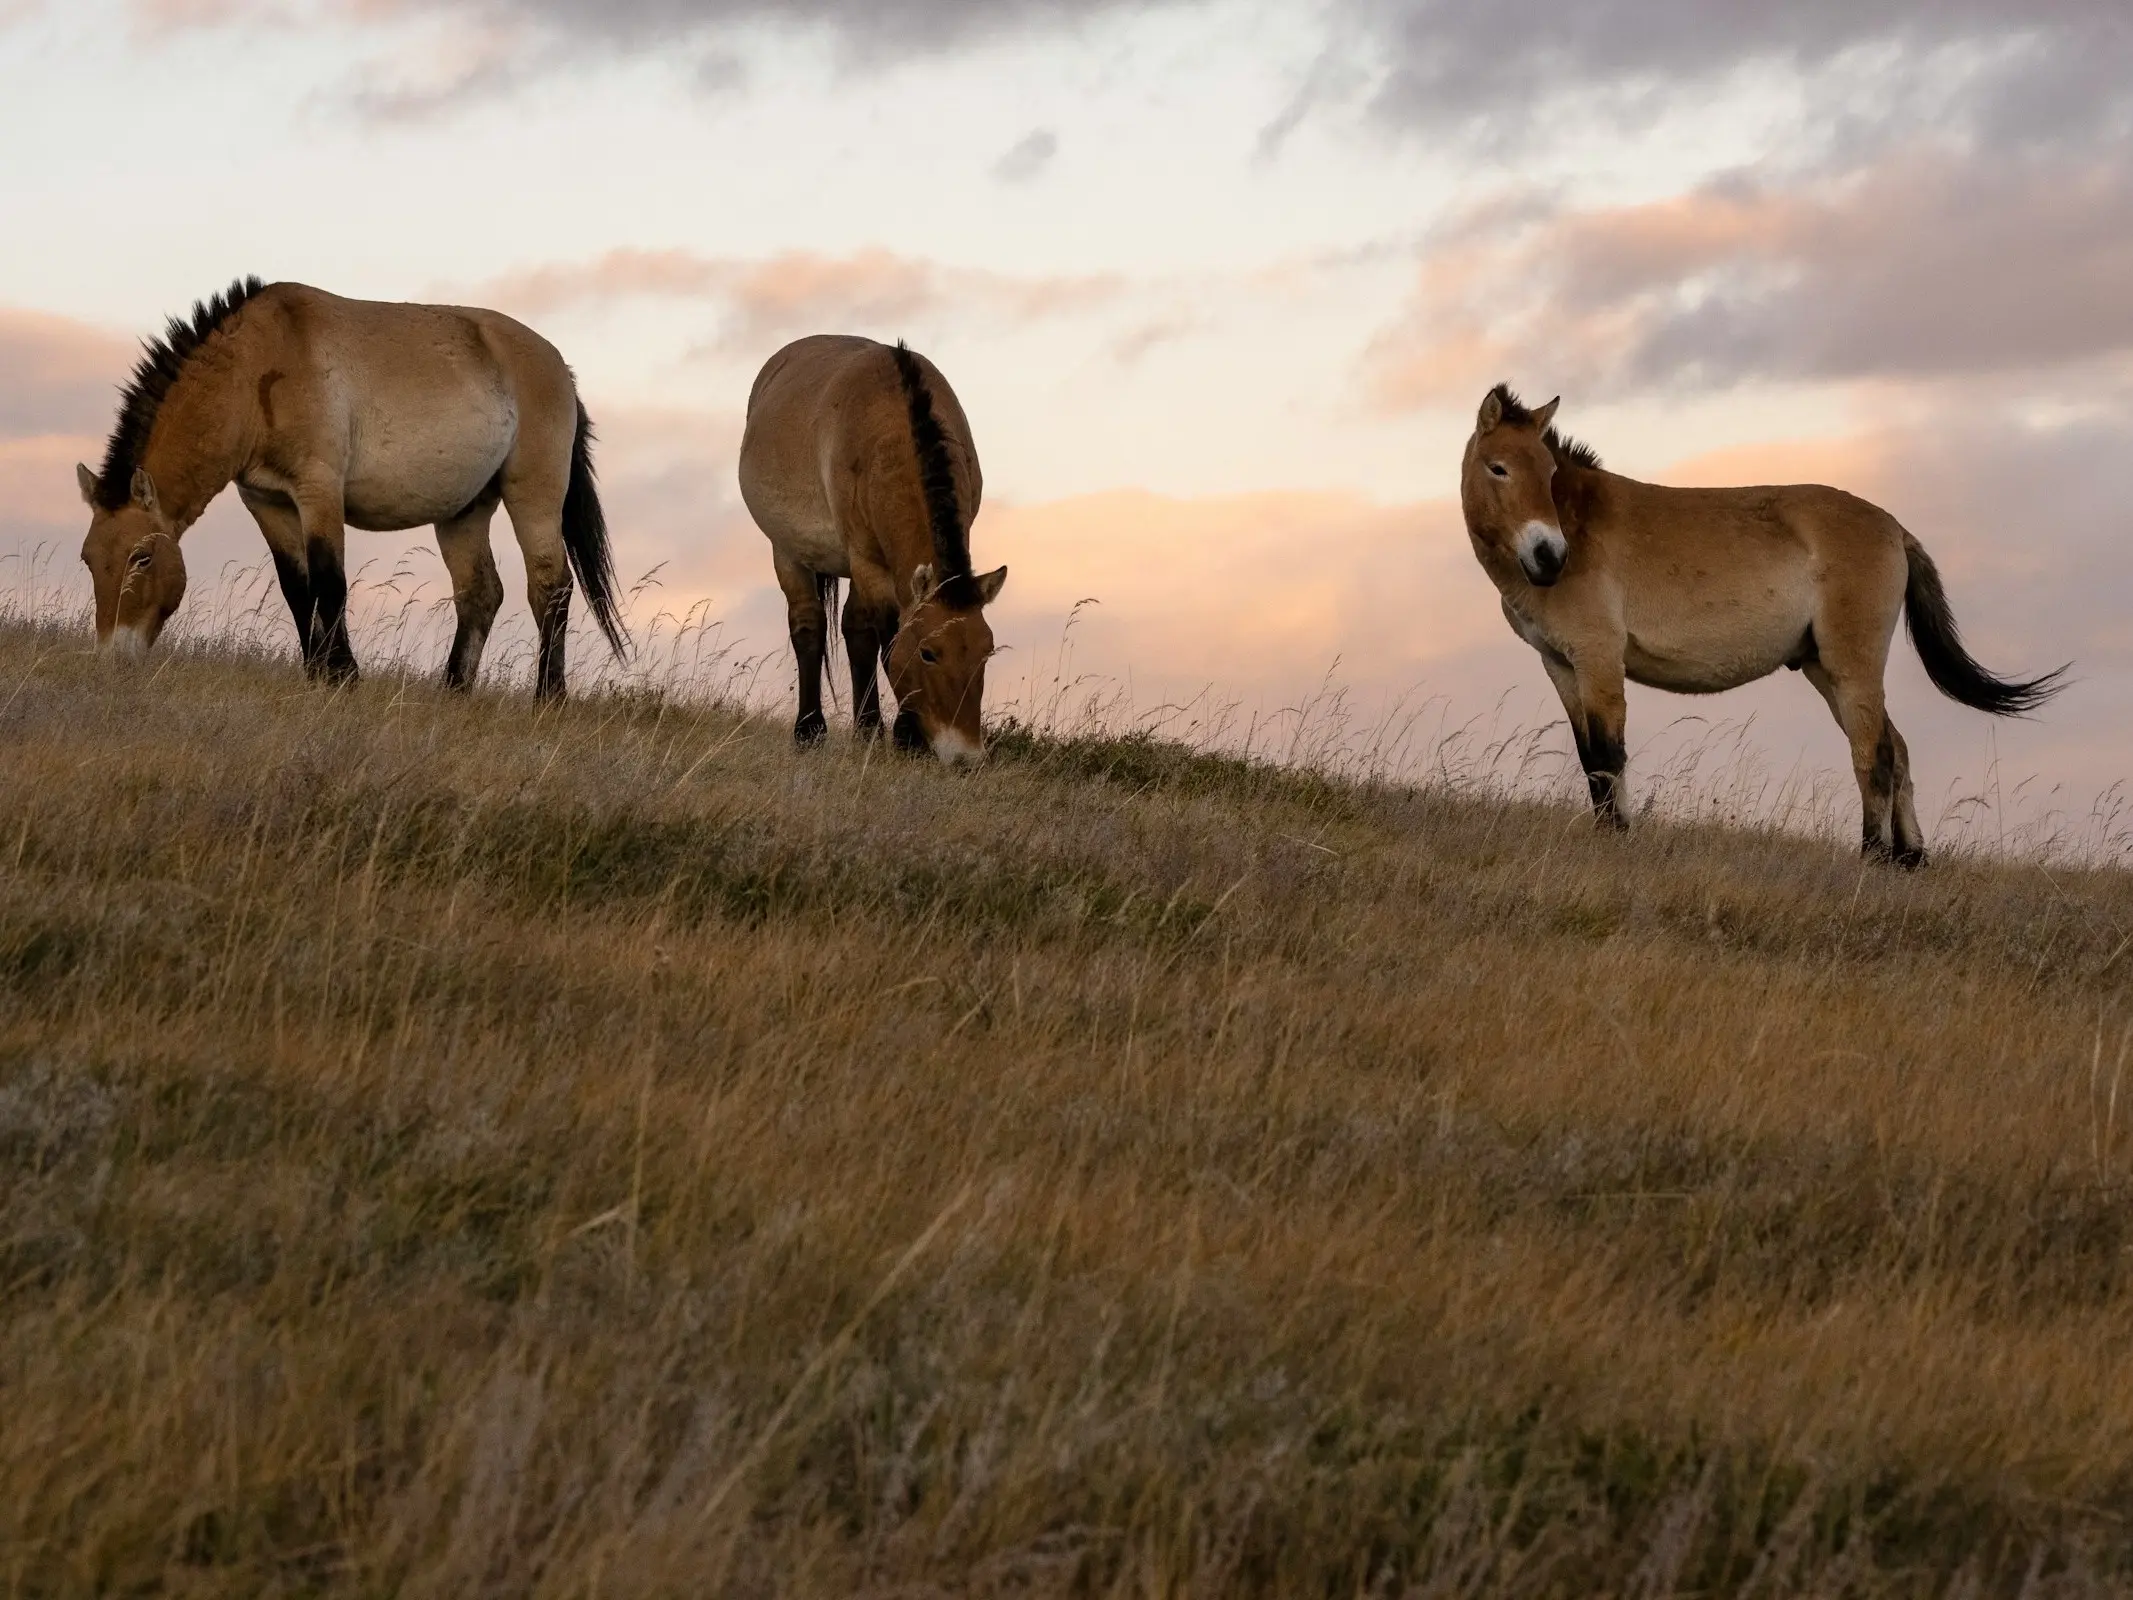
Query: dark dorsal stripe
pixel 1568 451
pixel 936 475
pixel 162 362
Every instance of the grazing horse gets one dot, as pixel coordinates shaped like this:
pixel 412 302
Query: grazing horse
pixel 857 463
pixel 1699 590
pixel 330 414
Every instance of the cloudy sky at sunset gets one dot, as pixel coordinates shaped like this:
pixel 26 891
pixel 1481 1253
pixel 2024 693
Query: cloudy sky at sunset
pixel 1219 282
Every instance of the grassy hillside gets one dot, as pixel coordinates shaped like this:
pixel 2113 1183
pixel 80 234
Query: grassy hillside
pixel 449 1148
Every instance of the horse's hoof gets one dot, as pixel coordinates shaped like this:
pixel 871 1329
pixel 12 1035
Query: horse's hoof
pixel 810 730
pixel 1908 857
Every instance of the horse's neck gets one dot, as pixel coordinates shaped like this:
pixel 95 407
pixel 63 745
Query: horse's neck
pixel 197 444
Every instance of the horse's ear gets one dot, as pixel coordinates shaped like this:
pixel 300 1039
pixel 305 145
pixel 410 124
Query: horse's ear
pixel 1491 417
pixel 87 480
pixel 921 582
pixel 990 585
pixel 1543 417
pixel 144 489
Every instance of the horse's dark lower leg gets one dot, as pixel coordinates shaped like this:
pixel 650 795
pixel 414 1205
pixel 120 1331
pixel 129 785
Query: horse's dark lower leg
pixel 1888 825
pixel 1888 821
pixel 465 660
pixel 477 592
pixel 807 625
pixel 863 649
pixel 810 727
pixel 1910 838
pixel 296 590
pixel 554 615
pixel 331 657
pixel 1605 758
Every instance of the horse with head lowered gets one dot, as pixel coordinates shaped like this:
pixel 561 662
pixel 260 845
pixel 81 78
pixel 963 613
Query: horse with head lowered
pixel 330 414
pixel 857 462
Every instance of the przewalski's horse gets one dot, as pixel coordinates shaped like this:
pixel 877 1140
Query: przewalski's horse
pixel 1699 590
pixel 330 414
pixel 857 463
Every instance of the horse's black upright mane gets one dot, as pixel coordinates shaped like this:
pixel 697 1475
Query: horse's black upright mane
pixel 1567 450
pixel 936 473
pixel 162 360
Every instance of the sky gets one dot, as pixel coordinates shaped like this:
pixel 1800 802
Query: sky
pixel 1220 284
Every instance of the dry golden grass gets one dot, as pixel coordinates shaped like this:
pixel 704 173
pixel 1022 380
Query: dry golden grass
pixel 454 1148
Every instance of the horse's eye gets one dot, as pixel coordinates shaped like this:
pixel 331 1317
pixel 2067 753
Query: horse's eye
pixel 929 658
pixel 1498 468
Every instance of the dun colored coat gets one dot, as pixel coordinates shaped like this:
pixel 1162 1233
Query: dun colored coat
pixel 1699 590
pixel 330 414
pixel 857 463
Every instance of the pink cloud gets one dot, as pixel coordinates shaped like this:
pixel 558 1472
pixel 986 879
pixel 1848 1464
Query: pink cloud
pixel 799 291
pixel 57 375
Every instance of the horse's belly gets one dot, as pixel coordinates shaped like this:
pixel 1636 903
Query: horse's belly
pixel 799 528
pixel 1708 661
pixel 819 548
pixel 407 471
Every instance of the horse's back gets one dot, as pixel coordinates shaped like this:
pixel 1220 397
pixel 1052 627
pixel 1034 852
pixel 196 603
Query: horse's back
pixel 423 344
pixel 811 370
pixel 431 401
pixel 828 444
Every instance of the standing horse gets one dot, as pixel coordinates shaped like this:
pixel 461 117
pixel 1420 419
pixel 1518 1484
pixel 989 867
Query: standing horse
pixel 857 463
pixel 330 414
pixel 1699 590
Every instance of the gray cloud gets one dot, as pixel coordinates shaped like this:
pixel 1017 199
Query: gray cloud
pixel 1026 161
pixel 886 27
pixel 503 44
pixel 2045 69
pixel 915 25
pixel 1924 266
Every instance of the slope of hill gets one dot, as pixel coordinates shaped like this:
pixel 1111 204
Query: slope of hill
pixel 454 1148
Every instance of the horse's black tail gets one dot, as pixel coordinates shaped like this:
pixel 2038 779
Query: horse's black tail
pixel 826 592
pixel 1940 648
pixel 585 540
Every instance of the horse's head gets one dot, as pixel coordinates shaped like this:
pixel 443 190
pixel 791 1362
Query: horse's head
pixel 133 561
pixel 1506 487
pixel 937 665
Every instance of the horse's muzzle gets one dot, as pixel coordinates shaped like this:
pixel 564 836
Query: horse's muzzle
pixel 954 749
pixel 125 644
pixel 1542 554
pixel 1542 564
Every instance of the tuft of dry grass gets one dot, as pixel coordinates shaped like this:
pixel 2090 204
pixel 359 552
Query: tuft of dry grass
pixel 452 1147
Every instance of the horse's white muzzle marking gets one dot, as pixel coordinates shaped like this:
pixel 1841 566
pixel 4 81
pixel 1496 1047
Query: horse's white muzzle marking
pixel 957 751
pixel 127 644
pixel 1542 550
